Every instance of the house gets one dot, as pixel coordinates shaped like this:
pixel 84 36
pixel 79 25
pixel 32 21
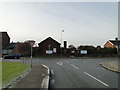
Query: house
pixel 87 49
pixel 71 50
pixel 113 43
pixel 4 39
pixel 22 48
pixel 49 46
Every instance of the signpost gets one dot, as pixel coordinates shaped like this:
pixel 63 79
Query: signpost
pixel 32 42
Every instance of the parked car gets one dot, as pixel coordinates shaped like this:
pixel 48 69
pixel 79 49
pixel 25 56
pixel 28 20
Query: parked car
pixel 12 56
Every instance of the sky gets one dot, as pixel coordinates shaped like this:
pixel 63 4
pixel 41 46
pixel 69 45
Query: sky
pixel 84 23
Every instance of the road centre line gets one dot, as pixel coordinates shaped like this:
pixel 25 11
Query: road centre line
pixel 74 66
pixel 96 79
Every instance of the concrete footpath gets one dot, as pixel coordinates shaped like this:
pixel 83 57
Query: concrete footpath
pixel 112 65
pixel 34 79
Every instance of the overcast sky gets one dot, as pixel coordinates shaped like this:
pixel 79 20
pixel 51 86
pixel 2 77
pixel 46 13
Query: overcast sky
pixel 87 23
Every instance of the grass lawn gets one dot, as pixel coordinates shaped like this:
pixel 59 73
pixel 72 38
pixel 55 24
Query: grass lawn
pixel 11 70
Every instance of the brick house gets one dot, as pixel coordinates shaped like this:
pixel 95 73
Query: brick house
pixel 113 44
pixel 22 48
pixel 49 46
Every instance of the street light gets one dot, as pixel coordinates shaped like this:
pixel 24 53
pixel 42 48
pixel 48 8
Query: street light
pixel 61 41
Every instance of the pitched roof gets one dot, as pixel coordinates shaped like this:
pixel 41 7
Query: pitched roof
pixel 10 46
pixel 49 38
pixel 13 45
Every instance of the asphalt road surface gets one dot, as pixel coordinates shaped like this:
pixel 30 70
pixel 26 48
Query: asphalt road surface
pixel 80 73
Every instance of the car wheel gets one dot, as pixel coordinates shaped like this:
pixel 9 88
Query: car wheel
pixel 15 57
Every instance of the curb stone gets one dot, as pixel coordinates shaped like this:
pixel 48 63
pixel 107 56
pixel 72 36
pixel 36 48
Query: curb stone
pixel 109 68
pixel 45 82
pixel 16 79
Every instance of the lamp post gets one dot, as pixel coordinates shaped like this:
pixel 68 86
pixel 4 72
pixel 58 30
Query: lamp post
pixel 61 41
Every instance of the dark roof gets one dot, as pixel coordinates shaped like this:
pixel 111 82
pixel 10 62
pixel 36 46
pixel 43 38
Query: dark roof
pixel 5 33
pixel 86 47
pixel 114 42
pixel 10 46
pixel 49 38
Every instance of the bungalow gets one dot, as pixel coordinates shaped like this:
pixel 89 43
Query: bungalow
pixel 49 46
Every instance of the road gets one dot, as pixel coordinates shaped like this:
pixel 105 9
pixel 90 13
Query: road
pixel 80 73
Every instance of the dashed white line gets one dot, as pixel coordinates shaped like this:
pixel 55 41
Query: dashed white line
pixel 59 63
pixel 96 79
pixel 66 61
pixel 74 66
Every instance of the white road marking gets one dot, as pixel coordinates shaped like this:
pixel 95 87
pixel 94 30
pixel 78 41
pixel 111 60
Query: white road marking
pixel 96 79
pixel 74 66
pixel 59 63
pixel 66 61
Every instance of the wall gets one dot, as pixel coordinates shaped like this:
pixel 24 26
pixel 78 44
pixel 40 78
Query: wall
pixel 44 46
pixel 108 44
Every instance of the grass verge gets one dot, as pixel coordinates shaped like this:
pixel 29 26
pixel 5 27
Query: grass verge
pixel 11 70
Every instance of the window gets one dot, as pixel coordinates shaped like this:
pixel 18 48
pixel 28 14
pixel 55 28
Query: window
pixel 72 51
pixel 54 50
pixel 83 51
pixel 49 51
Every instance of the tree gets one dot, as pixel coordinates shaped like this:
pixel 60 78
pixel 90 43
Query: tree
pixel 24 48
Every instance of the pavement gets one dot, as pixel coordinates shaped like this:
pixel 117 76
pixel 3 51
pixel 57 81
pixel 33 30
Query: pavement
pixel 112 65
pixel 34 79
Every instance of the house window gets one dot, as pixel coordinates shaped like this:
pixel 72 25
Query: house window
pixel 54 50
pixel 49 51
pixel 83 51
pixel 72 51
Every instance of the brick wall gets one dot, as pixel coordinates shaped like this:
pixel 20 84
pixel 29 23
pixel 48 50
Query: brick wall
pixel 45 46
pixel 108 44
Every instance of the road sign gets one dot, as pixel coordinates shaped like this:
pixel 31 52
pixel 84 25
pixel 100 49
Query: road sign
pixel 32 42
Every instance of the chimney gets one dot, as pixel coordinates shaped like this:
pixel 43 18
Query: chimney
pixel 65 44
